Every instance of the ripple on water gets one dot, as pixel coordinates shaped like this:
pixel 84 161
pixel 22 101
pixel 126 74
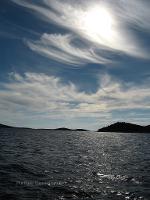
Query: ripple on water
pixel 69 165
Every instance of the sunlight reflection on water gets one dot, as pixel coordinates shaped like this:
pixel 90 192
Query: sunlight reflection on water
pixel 77 165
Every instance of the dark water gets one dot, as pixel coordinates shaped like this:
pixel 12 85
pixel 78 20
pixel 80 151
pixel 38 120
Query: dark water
pixel 41 165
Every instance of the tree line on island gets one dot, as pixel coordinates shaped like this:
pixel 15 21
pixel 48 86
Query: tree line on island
pixel 119 127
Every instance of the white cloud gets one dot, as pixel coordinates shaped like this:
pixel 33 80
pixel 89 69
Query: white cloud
pixel 135 12
pixel 59 47
pixel 71 15
pixel 40 95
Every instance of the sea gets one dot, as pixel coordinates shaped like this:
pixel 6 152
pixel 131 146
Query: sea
pixel 61 165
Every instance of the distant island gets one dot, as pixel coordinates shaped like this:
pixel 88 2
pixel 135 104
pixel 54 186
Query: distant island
pixel 5 126
pixel 123 127
pixel 56 129
pixel 67 129
pixel 118 127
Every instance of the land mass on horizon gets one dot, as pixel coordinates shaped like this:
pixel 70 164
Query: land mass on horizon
pixel 56 129
pixel 119 127
pixel 124 127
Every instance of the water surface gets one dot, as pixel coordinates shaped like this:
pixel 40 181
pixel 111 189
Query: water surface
pixel 49 165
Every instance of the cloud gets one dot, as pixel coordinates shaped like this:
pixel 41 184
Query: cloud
pixel 136 13
pixel 124 16
pixel 38 95
pixel 59 47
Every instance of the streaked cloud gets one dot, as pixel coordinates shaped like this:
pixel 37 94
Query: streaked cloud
pixel 123 17
pixel 40 95
pixel 60 48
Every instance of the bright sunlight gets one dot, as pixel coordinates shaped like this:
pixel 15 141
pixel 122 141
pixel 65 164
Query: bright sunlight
pixel 98 22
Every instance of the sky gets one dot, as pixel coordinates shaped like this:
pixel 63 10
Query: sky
pixel 74 63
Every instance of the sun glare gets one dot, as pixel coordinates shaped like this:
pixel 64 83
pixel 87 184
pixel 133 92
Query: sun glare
pixel 98 22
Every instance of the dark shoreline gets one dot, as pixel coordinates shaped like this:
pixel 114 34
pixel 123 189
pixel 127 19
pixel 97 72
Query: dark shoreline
pixel 123 127
pixel 118 127
pixel 56 129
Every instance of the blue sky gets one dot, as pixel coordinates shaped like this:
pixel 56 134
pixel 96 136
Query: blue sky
pixel 79 64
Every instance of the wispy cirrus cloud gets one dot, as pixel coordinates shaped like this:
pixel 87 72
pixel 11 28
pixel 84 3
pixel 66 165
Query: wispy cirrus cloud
pixel 71 15
pixel 40 95
pixel 60 47
pixel 135 13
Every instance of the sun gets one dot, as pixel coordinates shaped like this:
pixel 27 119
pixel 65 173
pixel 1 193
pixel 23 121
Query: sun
pixel 98 22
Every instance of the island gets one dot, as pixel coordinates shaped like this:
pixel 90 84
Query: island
pixel 56 129
pixel 5 126
pixel 118 127
pixel 68 129
pixel 123 127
